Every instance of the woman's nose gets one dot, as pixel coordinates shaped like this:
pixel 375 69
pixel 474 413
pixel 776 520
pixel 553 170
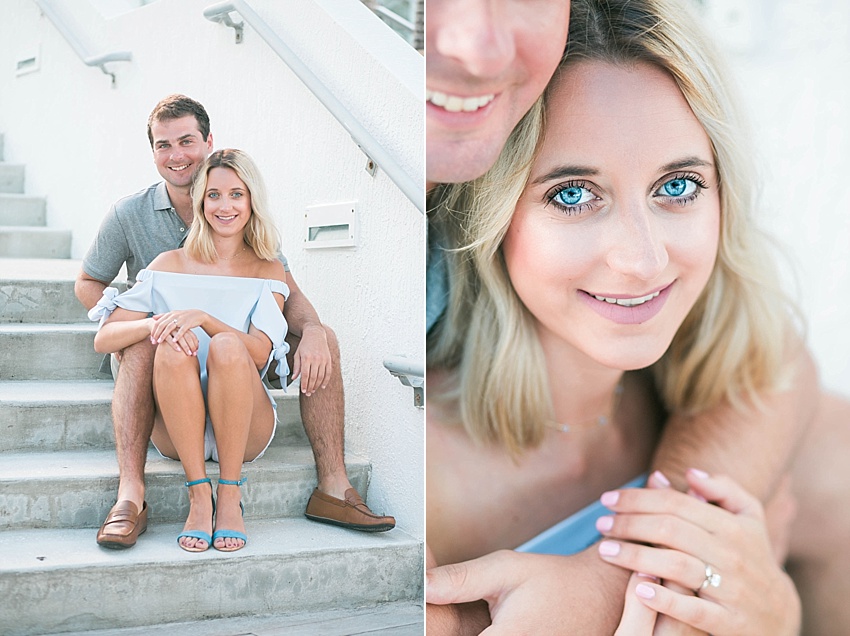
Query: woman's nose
pixel 638 246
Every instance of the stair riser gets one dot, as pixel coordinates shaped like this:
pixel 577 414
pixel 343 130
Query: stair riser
pixel 44 427
pixel 39 302
pixel 107 597
pixel 23 243
pixel 22 210
pixel 62 355
pixel 12 178
pixel 272 492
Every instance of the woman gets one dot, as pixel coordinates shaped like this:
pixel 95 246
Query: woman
pixel 217 324
pixel 620 240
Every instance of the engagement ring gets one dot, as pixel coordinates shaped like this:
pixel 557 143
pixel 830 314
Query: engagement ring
pixel 712 579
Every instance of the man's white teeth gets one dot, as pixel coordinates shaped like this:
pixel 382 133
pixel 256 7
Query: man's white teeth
pixel 455 104
pixel 178 168
pixel 627 302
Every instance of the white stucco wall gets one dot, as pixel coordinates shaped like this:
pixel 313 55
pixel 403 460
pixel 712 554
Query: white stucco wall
pixel 85 145
pixel 791 59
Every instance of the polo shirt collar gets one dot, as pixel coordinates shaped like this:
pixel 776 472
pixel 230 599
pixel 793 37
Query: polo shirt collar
pixel 161 200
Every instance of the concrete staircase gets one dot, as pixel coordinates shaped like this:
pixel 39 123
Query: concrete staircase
pixel 22 219
pixel 58 479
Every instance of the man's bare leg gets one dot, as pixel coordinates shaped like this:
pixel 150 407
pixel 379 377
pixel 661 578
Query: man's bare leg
pixel 819 558
pixel 323 416
pixel 132 421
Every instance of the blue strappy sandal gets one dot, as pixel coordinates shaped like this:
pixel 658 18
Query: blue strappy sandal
pixel 231 534
pixel 197 534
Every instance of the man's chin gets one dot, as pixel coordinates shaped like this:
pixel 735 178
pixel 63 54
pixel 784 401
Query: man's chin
pixel 453 163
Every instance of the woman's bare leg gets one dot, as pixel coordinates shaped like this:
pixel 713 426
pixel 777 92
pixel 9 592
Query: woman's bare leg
pixel 180 402
pixel 243 422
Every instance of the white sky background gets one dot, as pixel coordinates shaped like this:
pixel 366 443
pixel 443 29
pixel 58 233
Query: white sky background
pixel 792 62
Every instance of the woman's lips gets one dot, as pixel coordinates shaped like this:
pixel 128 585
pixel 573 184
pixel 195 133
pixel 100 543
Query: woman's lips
pixel 627 310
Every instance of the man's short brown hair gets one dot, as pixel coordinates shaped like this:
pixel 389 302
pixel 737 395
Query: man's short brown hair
pixel 177 106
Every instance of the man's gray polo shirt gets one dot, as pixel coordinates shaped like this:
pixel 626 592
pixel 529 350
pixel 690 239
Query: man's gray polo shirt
pixel 137 229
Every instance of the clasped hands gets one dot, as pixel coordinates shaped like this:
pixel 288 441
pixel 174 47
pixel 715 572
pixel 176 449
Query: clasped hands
pixel 175 329
pixel 668 536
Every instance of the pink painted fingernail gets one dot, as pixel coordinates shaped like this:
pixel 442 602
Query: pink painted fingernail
pixel 609 548
pixel 661 478
pixel 645 591
pixel 647 576
pixel 696 472
pixel 604 524
pixel 610 498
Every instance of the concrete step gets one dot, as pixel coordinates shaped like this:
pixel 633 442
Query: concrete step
pixel 60 580
pixel 11 178
pixel 76 489
pixel 50 352
pixel 39 301
pixel 76 415
pixel 41 290
pixel 34 242
pixel 20 209
pixel 404 618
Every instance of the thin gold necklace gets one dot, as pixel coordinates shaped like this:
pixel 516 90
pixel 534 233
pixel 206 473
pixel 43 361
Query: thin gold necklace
pixel 602 420
pixel 228 258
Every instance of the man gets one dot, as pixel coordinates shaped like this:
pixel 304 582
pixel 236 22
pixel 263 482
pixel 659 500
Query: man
pixel 487 62
pixel 136 230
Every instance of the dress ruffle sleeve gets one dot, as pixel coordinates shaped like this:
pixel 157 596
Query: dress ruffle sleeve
pixel 268 318
pixel 137 298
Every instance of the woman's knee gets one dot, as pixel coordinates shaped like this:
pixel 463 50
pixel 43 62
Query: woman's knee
pixel 227 350
pixel 167 360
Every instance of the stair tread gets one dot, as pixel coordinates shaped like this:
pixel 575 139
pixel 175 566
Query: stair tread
pixel 102 463
pixel 401 618
pixel 20 550
pixel 53 392
pixel 46 269
pixel 33 229
pixel 45 327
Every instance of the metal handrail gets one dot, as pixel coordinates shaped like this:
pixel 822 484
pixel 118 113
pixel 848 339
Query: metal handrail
pixel 412 188
pixel 410 372
pixel 47 7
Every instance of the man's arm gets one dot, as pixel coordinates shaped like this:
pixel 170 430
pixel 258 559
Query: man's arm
pixel 312 357
pixel 755 447
pixel 88 290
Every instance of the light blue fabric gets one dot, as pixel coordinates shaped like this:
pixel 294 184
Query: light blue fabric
pixel 238 302
pixel 575 533
pixel 436 280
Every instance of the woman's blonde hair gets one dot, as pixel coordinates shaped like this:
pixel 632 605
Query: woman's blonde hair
pixel 731 343
pixel 260 232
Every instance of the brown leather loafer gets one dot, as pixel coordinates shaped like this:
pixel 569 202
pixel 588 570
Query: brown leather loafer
pixel 123 525
pixel 351 512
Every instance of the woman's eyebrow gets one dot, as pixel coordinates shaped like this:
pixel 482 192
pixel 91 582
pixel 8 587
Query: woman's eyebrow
pixel 566 171
pixel 687 162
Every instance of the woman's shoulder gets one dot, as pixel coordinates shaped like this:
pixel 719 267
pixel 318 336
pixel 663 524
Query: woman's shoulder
pixel 272 270
pixel 170 261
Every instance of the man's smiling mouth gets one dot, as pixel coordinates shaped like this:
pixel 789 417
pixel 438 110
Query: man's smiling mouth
pixel 456 104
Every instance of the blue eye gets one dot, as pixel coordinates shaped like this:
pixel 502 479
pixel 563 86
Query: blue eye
pixel 679 187
pixel 573 195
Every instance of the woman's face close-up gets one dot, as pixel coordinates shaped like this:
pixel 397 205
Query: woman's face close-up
pixel 227 201
pixel 616 233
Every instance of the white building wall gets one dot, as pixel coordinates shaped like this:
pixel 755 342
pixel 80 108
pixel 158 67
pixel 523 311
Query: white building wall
pixel 791 59
pixel 85 145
